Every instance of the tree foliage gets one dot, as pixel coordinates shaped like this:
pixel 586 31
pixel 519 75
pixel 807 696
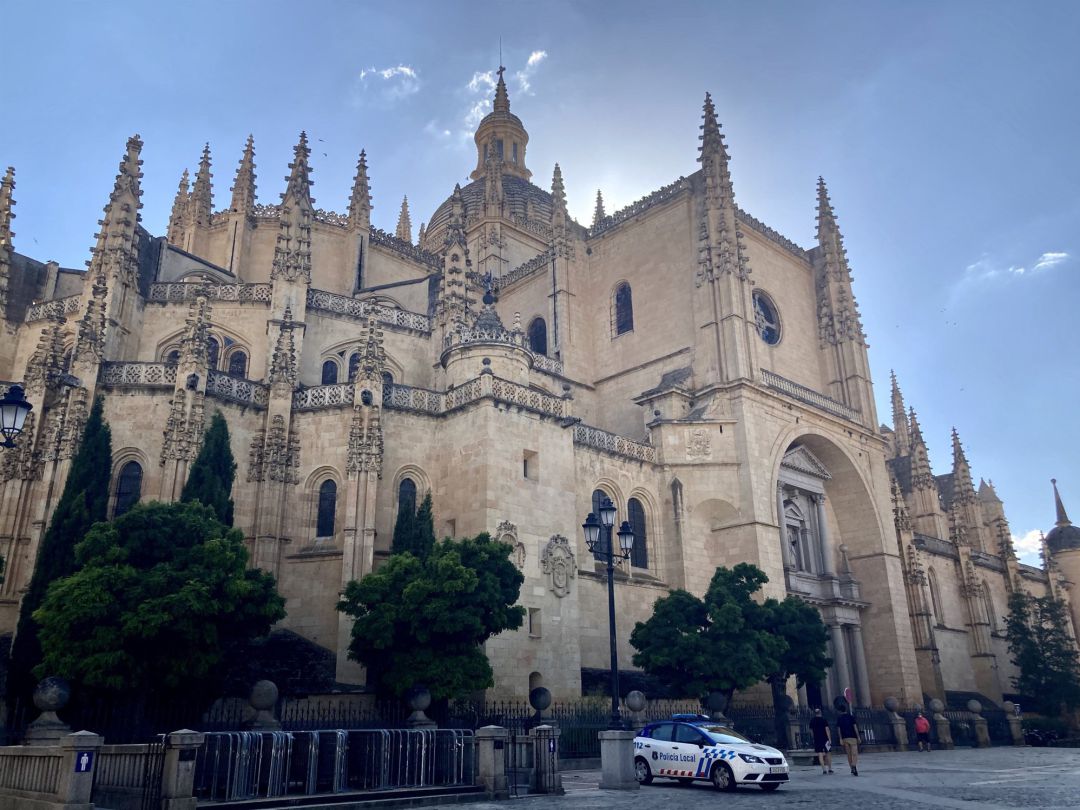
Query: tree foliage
pixel 423 620
pixel 728 641
pixel 210 478
pixel 83 502
pixel 414 531
pixel 1043 651
pixel 161 593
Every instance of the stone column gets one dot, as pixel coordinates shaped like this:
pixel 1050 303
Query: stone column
pixel 941 723
pixel 785 552
pixel 840 660
pixel 827 553
pixel 862 674
pixel 617 761
pixel 982 728
pixel 178 774
pixel 80 751
pixel 491 760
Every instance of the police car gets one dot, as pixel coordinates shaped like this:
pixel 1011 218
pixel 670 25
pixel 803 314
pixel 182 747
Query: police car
pixel 690 747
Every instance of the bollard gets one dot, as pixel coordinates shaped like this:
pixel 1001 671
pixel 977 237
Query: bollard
pixel 982 728
pixel 546 776
pixel 941 723
pixel 1016 725
pixel 899 725
pixel 491 760
pixel 617 761
pixel 80 751
pixel 178 772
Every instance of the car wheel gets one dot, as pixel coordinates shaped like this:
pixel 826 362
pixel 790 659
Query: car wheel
pixel 685 780
pixel 770 787
pixel 642 772
pixel 722 777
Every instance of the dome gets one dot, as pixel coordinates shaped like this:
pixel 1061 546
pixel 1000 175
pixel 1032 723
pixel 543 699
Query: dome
pixel 524 203
pixel 1063 538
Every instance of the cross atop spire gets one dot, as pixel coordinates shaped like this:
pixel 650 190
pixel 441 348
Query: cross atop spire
pixel 243 190
pixel 360 200
pixel 502 99
pixel 404 222
pixel 1062 518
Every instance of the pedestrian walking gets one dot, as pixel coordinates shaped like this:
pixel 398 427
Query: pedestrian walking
pixel 849 736
pixel 922 732
pixel 819 727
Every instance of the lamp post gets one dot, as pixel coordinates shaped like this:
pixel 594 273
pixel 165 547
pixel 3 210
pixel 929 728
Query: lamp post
pixel 13 411
pixel 598 539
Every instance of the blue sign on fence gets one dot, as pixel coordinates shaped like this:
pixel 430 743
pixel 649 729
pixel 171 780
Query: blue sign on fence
pixel 84 761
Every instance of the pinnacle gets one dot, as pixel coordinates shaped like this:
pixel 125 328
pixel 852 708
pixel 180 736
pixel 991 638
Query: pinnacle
pixel 299 182
pixel 243 190
pixel 1062 518
pixel 502 99
pixel 598 213
pixel 404 223
pixel 558 190
pixel 360 200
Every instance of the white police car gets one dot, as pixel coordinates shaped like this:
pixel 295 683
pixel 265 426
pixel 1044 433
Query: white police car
pixel 699 748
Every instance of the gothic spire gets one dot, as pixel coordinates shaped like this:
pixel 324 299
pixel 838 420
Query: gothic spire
pixel 404 223
pixel 360 200
pixel 421 234
pixel 598 212
pixel 900 421
pixel 962 483
pixel 292 253
pixel 558 199
pixel 838 314
pixel 722 251
pixel 502 100
pixel 243 190
pixel 454 293
pixel 178 217
pixel 115 254
pixel 1062 518
pixel 713 153
pixel 7 201
pixel 202 193
pixel 987 493
pixel 921 475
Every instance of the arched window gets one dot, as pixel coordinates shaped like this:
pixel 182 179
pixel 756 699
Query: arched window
pixel 639 553
pixel 406 497
pixel 128 487
pixel 329 373
pixel 605 534
pixel 623 309
pixel 387 379
pixel 538 336
pixel 327 509
pixel 988 606
pixel 354 365
pixel 173 357
pixel 238 364
pixel 935 598
pixel 213 352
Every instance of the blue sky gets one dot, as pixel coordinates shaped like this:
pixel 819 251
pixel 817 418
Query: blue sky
pixel 948 134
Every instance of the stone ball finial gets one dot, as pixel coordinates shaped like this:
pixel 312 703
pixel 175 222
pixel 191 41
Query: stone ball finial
pixel 974 706
pixel 892 704
pixel 1009 707
pixel 264 695
pixel 540 698
pixel 635 700
pixel 418 698
pixel 52 694
pixel 936 706
pixel 716 701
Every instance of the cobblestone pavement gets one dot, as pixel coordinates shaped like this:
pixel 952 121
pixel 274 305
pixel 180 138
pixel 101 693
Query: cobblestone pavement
pixel 966 779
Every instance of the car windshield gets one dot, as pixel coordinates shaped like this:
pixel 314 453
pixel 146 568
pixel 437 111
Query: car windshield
pixel 723 734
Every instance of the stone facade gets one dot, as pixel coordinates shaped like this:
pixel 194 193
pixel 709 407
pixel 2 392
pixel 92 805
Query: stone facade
pixel 704 372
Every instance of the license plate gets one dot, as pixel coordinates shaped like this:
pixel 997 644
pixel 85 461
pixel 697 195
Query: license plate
pixel 778 769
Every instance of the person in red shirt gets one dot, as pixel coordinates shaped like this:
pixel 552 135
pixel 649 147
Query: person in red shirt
pixel 922 731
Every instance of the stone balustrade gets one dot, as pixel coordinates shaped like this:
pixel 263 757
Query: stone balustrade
pixel 338 395
pixel 418 400
pixel 809 396
pixel 237 389
pixel 151 375
pixel 547 364
pixel 613 443
pixel 527 269
pixel 60 775
pixel 179 291
pixel 49 309
pixel 324 301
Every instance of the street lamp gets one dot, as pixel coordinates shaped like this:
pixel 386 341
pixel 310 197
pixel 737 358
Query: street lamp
pixel 598 539
pixel 13 411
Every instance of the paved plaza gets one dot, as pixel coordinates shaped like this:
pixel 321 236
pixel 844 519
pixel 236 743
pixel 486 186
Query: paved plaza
pixel 964 778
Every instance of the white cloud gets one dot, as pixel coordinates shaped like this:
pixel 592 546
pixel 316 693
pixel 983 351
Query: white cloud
pixel 986 267
pixel 433 128
pixel 1048 260
pixel 1029 547
pixel 482 82
pixel 390 83
pixel 524 75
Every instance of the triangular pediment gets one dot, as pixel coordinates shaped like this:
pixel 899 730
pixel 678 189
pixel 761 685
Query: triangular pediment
pixel 802 460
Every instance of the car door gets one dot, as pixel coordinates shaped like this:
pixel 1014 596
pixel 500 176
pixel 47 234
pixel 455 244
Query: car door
pixel 657 748
pixel 686 749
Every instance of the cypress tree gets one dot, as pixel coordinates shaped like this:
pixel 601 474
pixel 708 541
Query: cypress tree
pixel 83 503
pixel 425 529
pixel 210 479
pixel 404 530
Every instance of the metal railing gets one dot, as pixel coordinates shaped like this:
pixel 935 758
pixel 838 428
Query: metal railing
pixel 233 766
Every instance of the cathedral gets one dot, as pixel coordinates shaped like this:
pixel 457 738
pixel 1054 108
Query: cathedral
pixel 679 356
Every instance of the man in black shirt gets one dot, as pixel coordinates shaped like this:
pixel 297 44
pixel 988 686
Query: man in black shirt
pixel 849 736
pixel 819 727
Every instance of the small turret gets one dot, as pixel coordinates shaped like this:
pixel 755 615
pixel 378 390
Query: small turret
pixel 243 190
pixel 404 222
pixel 360 199
pixel 501 137
pixel 7 202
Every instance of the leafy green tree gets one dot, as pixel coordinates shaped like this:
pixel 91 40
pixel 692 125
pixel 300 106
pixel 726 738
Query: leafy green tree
pixel 423 620
pixel 804 657
pixel 210 478
pixel 83 503
pixel 414 531
pixel 1044 653
pixel 161 593
pixel 719 643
